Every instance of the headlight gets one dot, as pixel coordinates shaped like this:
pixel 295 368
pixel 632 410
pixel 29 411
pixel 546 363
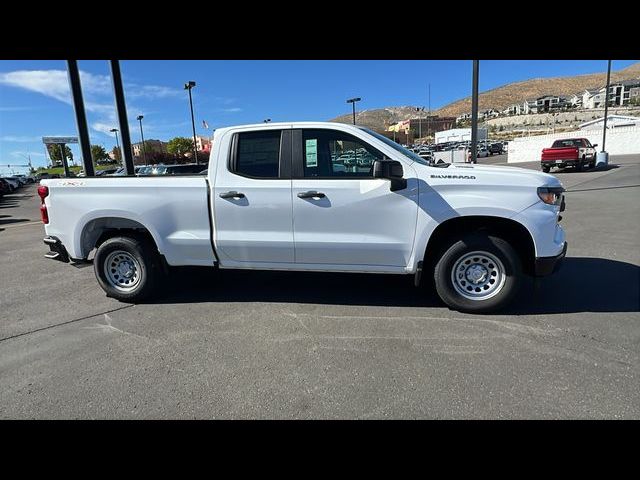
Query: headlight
pixel 551 195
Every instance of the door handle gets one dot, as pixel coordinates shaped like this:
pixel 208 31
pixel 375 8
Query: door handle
pixel 311 194
pixel 231 195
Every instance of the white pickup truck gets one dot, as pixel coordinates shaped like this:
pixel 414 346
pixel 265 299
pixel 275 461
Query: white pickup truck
pixel 314 197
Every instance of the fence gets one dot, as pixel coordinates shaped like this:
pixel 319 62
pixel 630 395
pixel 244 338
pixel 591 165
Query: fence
pixel 620 141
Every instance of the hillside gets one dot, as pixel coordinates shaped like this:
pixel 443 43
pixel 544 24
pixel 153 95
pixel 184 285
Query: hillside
pixel 498 98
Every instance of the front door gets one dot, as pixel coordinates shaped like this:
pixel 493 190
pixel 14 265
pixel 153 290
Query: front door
pixel 341 214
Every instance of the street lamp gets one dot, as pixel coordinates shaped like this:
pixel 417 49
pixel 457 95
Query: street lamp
pixel 144 150
pixel 353 101
pixel 266 120
pixel 188 86
pixel 419 109
pixel 115 130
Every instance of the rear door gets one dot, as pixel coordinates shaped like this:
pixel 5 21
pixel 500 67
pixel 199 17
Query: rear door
pixel 252 198
pixel 355 219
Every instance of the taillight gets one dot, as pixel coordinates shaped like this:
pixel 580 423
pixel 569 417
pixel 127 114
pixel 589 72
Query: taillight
pixel 44 214
pixel 43 192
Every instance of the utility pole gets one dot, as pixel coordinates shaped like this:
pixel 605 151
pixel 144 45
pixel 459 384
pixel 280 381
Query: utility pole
pixel 429 115
pixel 602 157
pixel 474 114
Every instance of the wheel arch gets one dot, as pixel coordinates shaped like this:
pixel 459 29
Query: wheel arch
pixel 510 230
pixel 97 230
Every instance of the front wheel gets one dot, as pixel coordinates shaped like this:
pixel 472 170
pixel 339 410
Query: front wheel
pixel 546 169
pixel 126 268
pixel 479 273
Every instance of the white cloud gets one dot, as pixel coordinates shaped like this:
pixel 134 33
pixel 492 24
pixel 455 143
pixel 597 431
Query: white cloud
pixel 231 110
pixel 18 153
pixel 151 91
pixel 52 83
pixel 55 84
pixel 19 138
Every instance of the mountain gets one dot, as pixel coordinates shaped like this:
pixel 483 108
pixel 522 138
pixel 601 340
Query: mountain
pixel 498 98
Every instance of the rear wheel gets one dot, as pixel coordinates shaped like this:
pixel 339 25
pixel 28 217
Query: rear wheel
pixel 479 273
pixel 580 165
pixel 546 169
pixel 127 268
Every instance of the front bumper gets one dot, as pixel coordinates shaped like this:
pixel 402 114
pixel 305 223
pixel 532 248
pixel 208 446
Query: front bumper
pixel 548 265
pixel 56 249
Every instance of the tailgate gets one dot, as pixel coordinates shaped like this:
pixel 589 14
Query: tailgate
pixel 564 153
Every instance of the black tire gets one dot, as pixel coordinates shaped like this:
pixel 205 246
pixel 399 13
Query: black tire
pixel 546 169
pixel 147 268
pixel 580 165
pixel 508 280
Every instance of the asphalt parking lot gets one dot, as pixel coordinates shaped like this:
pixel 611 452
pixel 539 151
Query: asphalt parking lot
pixel 296 346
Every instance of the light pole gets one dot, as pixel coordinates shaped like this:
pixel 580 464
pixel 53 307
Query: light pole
pixel 188 86
pixel 115 130
pixel 266 120
pixel 144 150
pixel 353 101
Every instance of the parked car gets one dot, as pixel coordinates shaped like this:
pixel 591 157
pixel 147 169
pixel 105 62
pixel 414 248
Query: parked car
pixel 477 230
pixel 15 184
pixel 571 152
pixel 5 188
pixel 106 171
pixel 495 148
pixel 187 169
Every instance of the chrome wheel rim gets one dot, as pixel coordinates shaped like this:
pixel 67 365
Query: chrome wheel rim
pixel 122 271
pixel 478 275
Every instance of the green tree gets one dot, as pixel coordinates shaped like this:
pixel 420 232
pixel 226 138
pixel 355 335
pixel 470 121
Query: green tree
pixel 99 154
pixel 180 145
pixel 117 154
pixel 55 153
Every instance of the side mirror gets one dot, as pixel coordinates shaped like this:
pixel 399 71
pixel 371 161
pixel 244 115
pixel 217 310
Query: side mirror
pixel 391 170
pixel 594 145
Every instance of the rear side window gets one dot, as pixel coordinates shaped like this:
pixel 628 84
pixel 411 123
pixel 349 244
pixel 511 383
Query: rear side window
pixel 257 154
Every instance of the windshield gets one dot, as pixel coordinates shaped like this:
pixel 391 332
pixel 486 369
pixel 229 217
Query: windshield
pixel 407 153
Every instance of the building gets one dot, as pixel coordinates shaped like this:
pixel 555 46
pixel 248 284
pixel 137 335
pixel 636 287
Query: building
pixel 428 126
pixel 620 93
pixel 414 127
pixel 459 135
pixel 463 118
pixel 593 98
pixel 613 121
pixel 575 101
pixel 150 146
pixel 529 106
pixel 514 109
pixel 491 113
pixel 203 144
pixel 548 103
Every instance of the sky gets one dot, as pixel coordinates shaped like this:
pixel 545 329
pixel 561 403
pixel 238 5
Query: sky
pixel 35 99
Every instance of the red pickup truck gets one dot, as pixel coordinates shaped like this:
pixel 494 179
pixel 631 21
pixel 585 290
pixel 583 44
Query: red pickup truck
pixel 572 152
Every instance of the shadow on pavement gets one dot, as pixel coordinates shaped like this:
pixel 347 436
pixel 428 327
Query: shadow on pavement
pixel 581 285
pixel 7 221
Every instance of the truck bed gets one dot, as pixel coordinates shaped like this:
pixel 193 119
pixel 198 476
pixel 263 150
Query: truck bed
pixel 174 210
